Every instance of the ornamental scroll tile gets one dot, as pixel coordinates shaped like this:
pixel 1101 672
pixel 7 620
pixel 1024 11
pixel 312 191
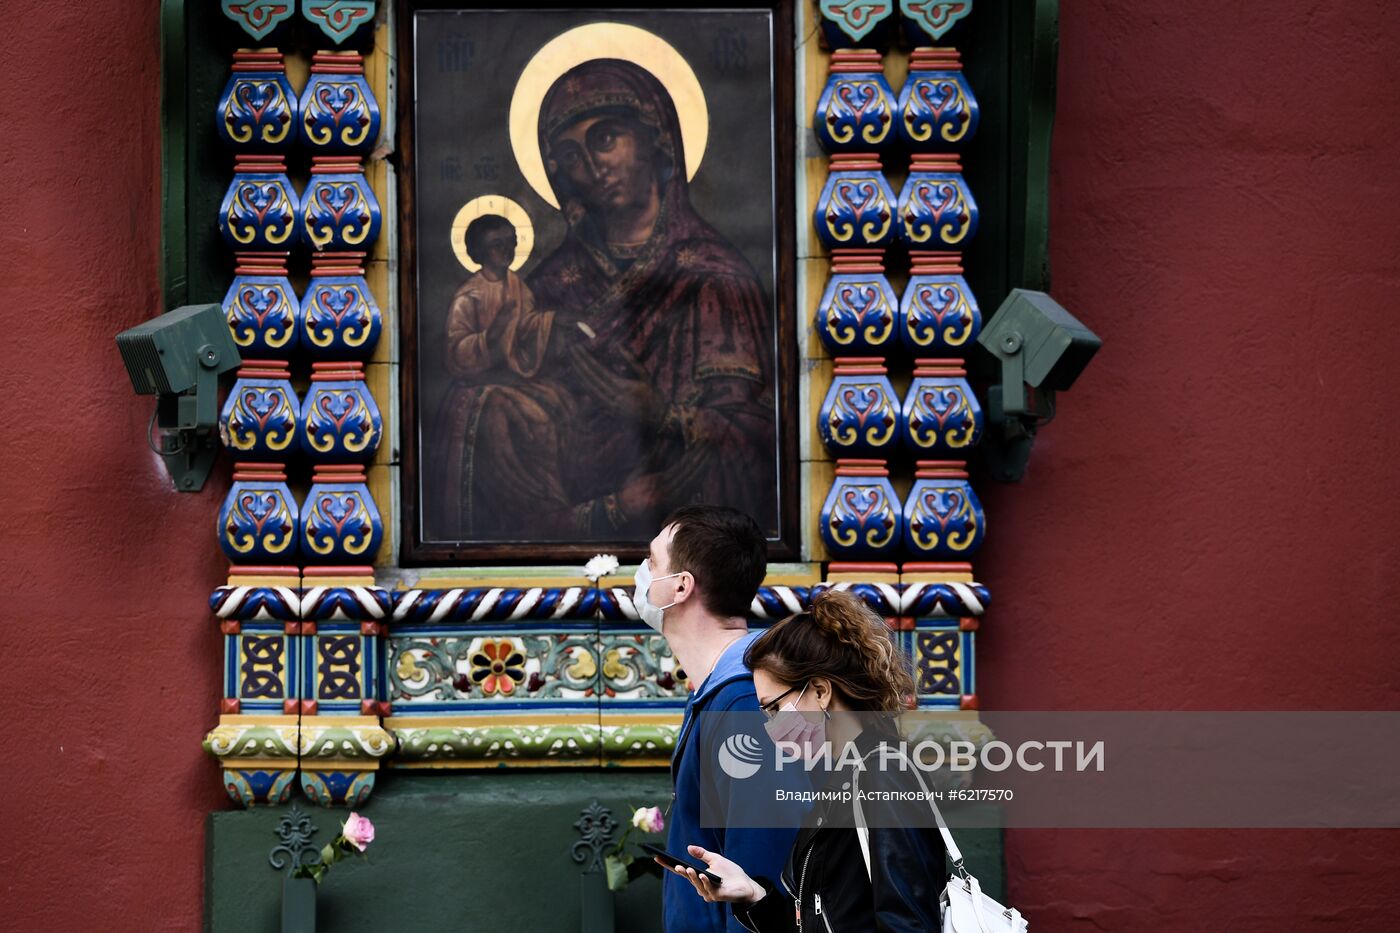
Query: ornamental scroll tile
pixel 340 523
pixel 453 668
pixel 337 318
pixel 339 20
pixel 941 416
pixel 260 211
pixel 259 419
pixel 261 308
pixel 855 112
pixel 856 23
pixel 339 114
pixel 936 207
pixel 257 111
pixel 938 315
pixel 860 415
pixel 928 21
pixel 858 312
pixel 937 110
pixel 338 209
pixel 258 519
pixel 258 18
pixel 861 518
pixel 943 519
pixel 856 207
pixel 339 421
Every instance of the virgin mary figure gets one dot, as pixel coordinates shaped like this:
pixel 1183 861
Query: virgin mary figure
pixel 657 386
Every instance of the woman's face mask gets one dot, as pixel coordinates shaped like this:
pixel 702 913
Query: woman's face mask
pixel 649 614
pixel 791 725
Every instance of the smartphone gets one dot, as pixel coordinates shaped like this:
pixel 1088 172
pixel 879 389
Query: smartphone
pixel 673 860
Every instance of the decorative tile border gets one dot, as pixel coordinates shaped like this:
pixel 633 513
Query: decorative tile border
pixel 503 603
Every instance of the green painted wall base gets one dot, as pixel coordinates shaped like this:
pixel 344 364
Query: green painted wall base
pixel 461 851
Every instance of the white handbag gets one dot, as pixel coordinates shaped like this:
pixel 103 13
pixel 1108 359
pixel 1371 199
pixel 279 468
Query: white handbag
pixel 965 908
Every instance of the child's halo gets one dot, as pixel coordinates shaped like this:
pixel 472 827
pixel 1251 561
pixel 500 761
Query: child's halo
pixel 504 207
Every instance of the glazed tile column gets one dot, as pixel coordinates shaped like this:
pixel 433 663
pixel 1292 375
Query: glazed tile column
pixel 859 419
pixel 344 613
pixel 938 324
pixel 898 365
pixel 256 739
pixel 301 616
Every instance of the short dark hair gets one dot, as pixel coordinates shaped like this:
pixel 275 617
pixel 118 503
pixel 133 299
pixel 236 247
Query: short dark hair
pixel 725 550
pixel 477 231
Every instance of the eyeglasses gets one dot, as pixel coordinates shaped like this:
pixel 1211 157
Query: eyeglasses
pixel 770 709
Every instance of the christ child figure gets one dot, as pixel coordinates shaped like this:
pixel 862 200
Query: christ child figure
pixel 494 332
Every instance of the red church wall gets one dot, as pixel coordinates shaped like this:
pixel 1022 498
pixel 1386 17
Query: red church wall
pixel 1210 522
pixel 108 663
pixel 1206 525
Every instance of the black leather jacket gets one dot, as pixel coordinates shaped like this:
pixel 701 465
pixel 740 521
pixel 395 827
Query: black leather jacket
pixel 827 873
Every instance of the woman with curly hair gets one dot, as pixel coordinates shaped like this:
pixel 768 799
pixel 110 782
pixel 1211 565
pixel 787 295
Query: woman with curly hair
pixel 836 658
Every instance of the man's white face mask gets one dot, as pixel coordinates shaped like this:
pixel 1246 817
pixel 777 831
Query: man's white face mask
pixel 650 614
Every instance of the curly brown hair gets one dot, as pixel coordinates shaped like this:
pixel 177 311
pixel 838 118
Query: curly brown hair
pixel 841 639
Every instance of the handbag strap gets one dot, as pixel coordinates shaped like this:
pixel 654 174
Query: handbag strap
pixel 863 831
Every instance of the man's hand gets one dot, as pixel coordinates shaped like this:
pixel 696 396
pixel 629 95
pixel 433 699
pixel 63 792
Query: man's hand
pixel 735 887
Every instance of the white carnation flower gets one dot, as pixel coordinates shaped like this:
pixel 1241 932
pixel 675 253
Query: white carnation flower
pixel 599 565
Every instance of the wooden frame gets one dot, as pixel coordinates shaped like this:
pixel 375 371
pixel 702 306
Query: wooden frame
pixel 785 545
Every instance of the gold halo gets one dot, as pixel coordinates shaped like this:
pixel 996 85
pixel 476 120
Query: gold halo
pixel 493 204
pixel 588 43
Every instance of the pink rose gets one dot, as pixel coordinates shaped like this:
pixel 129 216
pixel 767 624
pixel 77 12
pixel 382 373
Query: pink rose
pixel 358 831
pixel 649 819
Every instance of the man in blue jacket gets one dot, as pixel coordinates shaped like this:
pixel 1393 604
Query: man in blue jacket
pixel 700 577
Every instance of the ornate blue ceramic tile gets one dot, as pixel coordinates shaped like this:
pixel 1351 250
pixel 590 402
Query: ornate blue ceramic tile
pixel 861 519
pixel 258 520
pixel 261 310
pixel 936 208
pixel 937 110
pixel 855 112
pixel 257 111
pixel 339 419
pixel 339 210
pixel 943 519
pixel 259 417
pixel 260 210
pixel 339 115
pixel 858 311
pixel 942 419
pixel 856 206
pixel 938 315
pixel 340 523
pixel 860 415
pixel 338 317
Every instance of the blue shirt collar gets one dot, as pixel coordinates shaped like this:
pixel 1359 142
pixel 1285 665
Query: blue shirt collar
pixel 729 666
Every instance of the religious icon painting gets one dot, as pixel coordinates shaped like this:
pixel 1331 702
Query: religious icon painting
pixel 597 282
